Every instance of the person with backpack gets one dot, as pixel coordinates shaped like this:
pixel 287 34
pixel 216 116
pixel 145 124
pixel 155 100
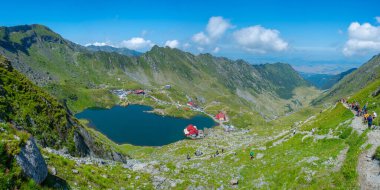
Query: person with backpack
pixel 365 107
pixel 369 120
pixel 252 154
pixel 359 111
pixel 366 117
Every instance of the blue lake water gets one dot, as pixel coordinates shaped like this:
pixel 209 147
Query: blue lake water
pixel 133 125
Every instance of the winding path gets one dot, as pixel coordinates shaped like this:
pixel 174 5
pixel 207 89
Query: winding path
pixel 368 168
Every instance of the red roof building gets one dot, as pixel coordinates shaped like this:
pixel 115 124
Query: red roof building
pixel 191 130
pixel 221 116
pixel 139 92
pixel 191 104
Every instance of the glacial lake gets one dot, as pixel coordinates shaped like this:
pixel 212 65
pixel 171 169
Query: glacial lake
pixel 134 125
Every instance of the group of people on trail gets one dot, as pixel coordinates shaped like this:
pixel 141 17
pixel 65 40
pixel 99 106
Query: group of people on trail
pixel 362 111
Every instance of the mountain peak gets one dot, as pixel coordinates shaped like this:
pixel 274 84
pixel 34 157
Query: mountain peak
pixel 38 29
pixel 22 37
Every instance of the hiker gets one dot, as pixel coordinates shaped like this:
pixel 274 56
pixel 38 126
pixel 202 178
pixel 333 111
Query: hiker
pixel 252 155
pixel 369 119
pixel 358 112
pixel 366 118
pixel 364 107
pixel 374 115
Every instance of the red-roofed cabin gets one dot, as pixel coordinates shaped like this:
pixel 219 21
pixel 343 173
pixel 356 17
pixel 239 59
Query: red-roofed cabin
pixel 139 92
pixel 221 116
pixel 192 104
pixel 191 131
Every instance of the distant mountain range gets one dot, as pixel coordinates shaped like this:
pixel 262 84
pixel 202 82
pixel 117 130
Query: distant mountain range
pixel 68 70
pixel 123 51
pixel 355 81
pixel 325 81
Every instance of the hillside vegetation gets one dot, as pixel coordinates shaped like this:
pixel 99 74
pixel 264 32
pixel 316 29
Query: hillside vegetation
pixel 29 108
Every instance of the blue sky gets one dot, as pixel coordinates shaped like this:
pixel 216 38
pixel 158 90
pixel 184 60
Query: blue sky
pixel 313 36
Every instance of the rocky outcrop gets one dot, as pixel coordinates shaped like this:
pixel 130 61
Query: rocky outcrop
pixel 86 145
pixel 81 146
pixel 6 64
pixel 376 92
pixel 32 162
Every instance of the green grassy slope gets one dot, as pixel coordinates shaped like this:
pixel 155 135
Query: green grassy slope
pixel 365 96
pixel 29 108
pixel 32 109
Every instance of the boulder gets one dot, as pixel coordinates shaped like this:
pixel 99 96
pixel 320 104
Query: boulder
pixel 234 182
pixel 376 92
pixel 75 171
pixel 52 170
pixel 32 162
pixel 198 153
pixel 5 63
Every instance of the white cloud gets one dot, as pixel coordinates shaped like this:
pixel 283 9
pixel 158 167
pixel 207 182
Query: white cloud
pixel 258 39
pixel 215 29
pixel 172 43
pixel 217 26
pixel 216 50
pixel 362 39
pixel 201 38
pixel 136 43
pixel 99 44
pixel 377 19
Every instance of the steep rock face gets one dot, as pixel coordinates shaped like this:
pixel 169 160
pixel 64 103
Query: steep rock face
pixel 32 162
pixel 81 145
pixel 86 145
